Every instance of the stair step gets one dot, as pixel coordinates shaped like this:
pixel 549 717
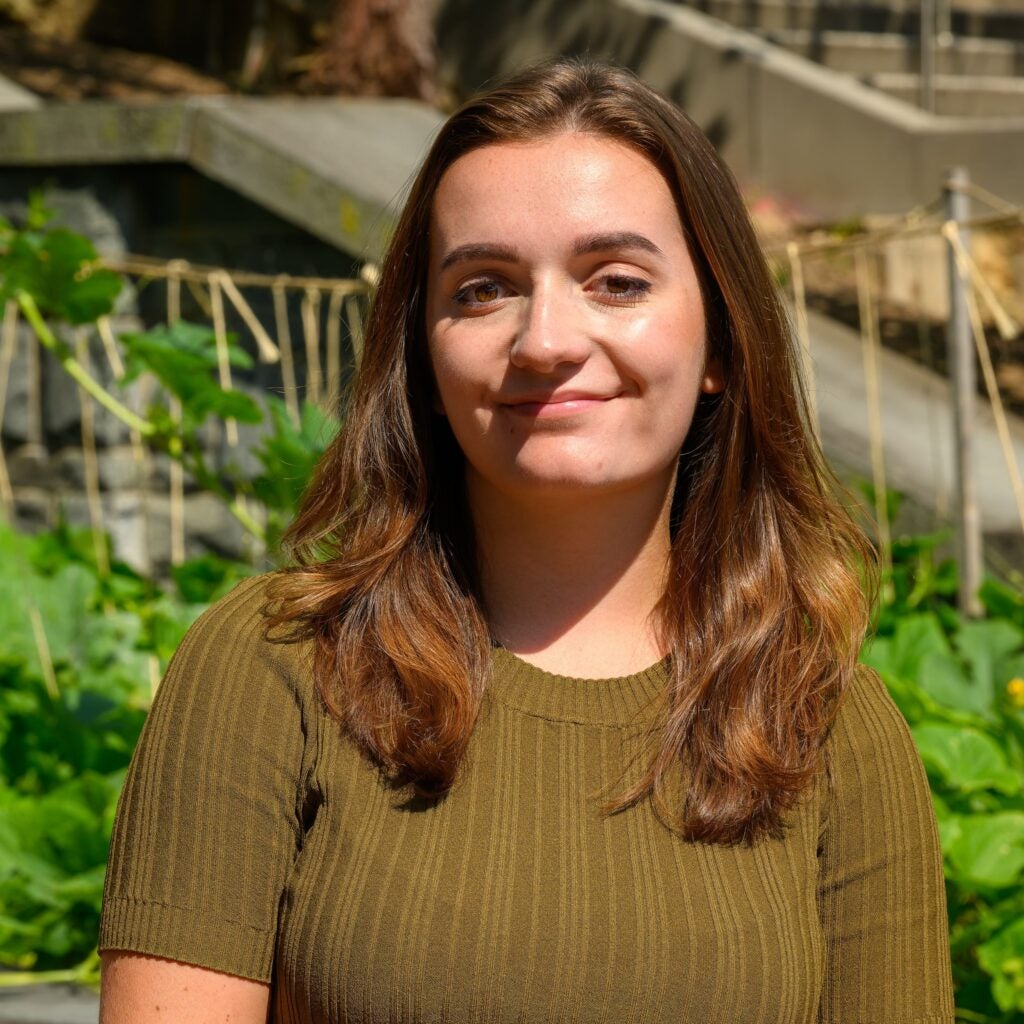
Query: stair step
pixel 862 53
pixel 957 95
pixel 993 19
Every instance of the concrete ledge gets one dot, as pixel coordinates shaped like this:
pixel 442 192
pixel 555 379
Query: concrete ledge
pixel 95 131
pixel 338 168
pixel 14 97
pixel 335 167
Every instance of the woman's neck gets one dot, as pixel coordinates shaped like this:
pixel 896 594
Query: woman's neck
pixel 571 583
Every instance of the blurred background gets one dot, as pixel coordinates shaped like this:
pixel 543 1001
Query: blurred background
pixel 194 197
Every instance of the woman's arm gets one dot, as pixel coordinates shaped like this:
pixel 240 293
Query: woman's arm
pixel 208 822
pixel 140 989
pixel 881 893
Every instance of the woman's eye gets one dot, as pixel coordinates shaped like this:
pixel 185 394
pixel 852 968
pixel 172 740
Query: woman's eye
pixel 624 290
pixel 478 293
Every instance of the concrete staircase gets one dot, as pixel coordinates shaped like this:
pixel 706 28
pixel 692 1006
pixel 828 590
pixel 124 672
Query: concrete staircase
pixel 978 54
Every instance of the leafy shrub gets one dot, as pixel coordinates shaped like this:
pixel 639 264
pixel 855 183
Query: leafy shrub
pixel 78 653
pixel 960 685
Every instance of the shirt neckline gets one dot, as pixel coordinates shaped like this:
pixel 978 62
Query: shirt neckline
pixel 612 700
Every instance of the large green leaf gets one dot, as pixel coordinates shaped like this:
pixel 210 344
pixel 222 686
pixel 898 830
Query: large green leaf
pixel 916 637
pixel 288 455
pixel 58 269
pixel 1002 601
pixel 965 758
pixel 942 678
pixel 989 852
pixel 1003 957
pixel 184 359
pixel 983 644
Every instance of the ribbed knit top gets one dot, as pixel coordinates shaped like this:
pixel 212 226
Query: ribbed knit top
pixel 252 838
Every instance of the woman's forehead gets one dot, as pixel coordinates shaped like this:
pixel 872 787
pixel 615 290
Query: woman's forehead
pixel 566 185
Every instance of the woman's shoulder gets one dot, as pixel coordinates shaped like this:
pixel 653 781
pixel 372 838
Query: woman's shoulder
pixel 867 714
pixel 875 770
pixel 230 640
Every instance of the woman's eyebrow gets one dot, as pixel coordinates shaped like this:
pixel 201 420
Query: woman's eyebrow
pixel 615 240
pixel 602 242
pixel 478 251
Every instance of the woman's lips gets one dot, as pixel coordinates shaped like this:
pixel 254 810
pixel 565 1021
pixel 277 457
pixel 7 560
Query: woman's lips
pixel 549 409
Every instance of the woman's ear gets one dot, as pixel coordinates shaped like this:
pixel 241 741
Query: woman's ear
pixel 713 379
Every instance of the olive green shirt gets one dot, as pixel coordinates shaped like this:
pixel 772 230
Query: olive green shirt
pixel 253 838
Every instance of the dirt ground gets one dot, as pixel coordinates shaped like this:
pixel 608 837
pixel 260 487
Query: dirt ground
pixel 81 70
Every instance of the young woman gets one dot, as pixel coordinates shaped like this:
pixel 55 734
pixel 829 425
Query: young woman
pixel 558 716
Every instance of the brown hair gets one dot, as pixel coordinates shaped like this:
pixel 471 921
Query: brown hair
pixel 771 581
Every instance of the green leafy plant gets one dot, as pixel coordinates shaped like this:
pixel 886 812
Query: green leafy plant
pixel 78 657
pixel 54 277
pixel 960 684
pixel 84 641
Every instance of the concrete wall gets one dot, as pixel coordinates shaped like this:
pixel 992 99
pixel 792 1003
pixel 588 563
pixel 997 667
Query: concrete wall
pixel 829 145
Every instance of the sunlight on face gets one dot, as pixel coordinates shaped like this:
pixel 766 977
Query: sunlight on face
pixel 564 318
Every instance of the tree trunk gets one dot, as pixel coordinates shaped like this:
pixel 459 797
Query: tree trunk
pixel 378 48
pixel 54 19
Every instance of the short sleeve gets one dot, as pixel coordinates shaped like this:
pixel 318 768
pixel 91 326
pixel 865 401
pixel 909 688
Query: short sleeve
pixel 881 888
pixel 209 820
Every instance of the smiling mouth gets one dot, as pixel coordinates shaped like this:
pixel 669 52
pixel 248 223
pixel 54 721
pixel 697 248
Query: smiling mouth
pixel 559 407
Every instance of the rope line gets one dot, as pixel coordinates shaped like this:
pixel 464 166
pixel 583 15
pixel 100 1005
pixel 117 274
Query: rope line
pixel 804 335
pixel 311 331
pixel 284 343
pixel 1008 327
pixel 8 343
pixel 967 273
pixel 175 470
pixel 140 453
pixel 355 329
pixel 90 461
pixel 870 346
pixel 874 238
pixel 267 349
pixel 334 344
pixel 220 331
pixel 147 266
pixel 981 193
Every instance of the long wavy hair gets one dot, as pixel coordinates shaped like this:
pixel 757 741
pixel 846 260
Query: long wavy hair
pixel 771 581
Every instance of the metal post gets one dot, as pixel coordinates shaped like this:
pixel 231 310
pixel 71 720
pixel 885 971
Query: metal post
pixel 926 38
pixel 962 375
pixel 944 23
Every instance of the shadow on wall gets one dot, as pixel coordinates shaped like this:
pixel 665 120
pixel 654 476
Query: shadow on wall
pixel 479 43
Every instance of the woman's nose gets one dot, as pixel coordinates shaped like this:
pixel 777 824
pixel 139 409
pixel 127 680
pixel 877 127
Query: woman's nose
pixel 552 330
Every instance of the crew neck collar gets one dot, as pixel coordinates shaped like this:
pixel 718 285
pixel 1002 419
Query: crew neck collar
pixel 615 700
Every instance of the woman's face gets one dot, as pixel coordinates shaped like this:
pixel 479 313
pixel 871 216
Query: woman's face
pixel 564 318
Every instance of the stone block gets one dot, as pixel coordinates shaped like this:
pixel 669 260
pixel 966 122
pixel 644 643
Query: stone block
pixel 118 468
pixel 209 526
pixel 160 473
pixel 32 466
pixel 17 426
pixel 33 509
pixel 123 519
pixel 79 210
